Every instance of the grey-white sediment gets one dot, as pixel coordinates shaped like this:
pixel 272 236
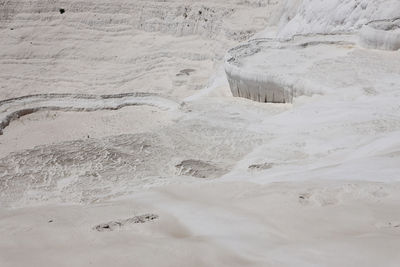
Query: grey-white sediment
pixel 14 108
pixel 257 84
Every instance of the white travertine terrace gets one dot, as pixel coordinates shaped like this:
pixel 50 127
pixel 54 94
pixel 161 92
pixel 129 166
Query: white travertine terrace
pixel 258 86
pixel 218 180
pixel 259 70
pixel 381 35
pixel 333 16
pixel 12 109
pixel 81 50
pixel 256 70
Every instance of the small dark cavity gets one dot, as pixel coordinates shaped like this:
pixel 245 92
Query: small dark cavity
pixel 62 10
pixel 395 225
pixel 50 221
pixel 200 12
pixel 11 29
pixel 303 198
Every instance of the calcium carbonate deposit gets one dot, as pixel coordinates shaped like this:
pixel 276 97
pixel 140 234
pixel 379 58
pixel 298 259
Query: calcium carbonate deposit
pixel 199 133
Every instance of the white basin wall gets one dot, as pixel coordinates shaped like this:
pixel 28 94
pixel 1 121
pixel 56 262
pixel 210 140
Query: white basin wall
pixel 257 86
pixel 261 91
pixel 383 35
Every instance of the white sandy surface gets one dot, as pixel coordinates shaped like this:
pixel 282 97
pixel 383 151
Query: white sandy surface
pixel 233 182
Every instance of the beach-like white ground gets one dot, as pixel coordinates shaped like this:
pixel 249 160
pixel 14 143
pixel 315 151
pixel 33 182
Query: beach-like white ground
pixel 122 144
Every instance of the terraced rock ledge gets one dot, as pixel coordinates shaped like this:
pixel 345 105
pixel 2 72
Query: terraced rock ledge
pixel 257 70
pixel 381 34
pixel 14 108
